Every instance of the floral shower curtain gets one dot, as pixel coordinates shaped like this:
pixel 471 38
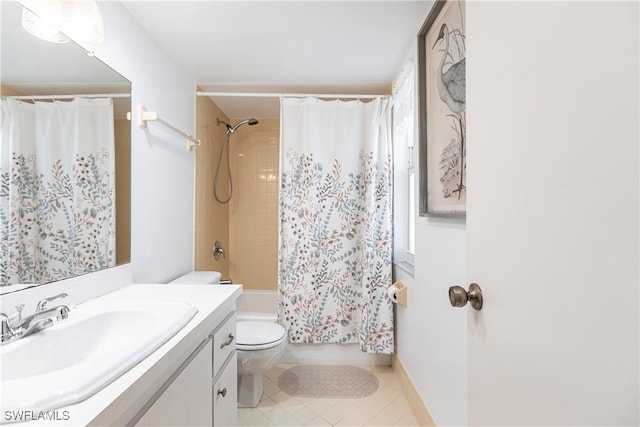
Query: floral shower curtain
pixel 57 193
pixel 335 222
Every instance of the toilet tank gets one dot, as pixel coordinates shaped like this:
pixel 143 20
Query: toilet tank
pixel 243 316
pixel 199 278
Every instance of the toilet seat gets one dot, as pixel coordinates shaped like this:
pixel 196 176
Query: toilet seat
pixel 257 335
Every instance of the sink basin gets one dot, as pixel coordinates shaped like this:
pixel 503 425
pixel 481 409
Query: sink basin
pixel 79 356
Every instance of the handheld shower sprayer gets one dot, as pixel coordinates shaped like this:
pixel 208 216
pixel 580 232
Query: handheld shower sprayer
pixel 225 144
pixel 232 129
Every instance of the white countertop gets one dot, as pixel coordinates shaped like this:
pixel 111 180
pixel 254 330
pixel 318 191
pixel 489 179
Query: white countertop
pixel 120 401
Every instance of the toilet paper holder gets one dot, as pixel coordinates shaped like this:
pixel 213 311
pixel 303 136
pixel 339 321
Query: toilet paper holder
pixel 398 293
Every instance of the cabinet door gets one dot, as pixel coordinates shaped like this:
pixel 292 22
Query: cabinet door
pixel 187 401
pixel 225 394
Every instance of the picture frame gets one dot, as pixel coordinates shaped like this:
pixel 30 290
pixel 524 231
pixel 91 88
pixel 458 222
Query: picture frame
pixel 442 111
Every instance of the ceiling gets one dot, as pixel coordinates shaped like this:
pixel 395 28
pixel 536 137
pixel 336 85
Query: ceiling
pixel 302 46
pixel 296 46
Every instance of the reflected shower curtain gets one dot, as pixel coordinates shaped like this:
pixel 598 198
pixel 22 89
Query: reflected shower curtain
pixel 57 193
pixel 335 222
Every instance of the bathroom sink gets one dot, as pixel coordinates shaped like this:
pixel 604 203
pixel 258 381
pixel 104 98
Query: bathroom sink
pixel 79 356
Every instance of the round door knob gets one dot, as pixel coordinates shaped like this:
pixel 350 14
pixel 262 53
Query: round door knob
pixel 458 296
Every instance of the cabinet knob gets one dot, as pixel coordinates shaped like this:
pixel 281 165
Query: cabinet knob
pixel 223 392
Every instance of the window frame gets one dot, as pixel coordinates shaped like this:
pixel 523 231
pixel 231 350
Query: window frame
pixel 404 132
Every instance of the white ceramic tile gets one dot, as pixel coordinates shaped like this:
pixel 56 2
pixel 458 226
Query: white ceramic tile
pixel 266 403
pixel 291 405
pixel 388 406
pixel 253 417
pixel 356 418
pixel 304 415
pixel 408 420
pixel 339 411
pixel 278 415
pixel 318 421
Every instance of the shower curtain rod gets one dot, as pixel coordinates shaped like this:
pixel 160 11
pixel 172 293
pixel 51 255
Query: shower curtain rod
pixel 87 95
pixel 293 95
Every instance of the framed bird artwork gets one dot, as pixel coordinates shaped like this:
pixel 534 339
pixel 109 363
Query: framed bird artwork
pixel 442 106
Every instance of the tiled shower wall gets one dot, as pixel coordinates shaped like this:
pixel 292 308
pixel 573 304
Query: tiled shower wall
pixel 253 210
pixel 211 217
pixel 247 227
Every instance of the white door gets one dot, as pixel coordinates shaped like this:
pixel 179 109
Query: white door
pixel 553 220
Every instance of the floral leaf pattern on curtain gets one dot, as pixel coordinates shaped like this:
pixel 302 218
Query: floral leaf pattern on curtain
pixel 41 251
pixel 335 249
pixel 56 213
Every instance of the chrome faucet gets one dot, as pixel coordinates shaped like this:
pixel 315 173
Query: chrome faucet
pixel 36 322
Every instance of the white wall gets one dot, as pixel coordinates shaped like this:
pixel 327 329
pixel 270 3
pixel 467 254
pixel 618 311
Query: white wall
pixel 431 335
pixel 162 176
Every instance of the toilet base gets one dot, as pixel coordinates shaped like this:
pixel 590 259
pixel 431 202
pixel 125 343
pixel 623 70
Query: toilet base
pixel 250 388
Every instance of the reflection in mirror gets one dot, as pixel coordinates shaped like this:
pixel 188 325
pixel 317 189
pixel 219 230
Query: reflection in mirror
pixel 65 159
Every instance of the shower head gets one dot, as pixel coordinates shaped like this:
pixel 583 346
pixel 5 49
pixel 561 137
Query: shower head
pixel 250 122
pixel 232 129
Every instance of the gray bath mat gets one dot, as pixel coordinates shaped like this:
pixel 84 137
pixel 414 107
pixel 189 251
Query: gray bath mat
pixel 342 382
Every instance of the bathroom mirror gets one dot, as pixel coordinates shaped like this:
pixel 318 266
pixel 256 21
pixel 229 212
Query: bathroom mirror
pixel 34 67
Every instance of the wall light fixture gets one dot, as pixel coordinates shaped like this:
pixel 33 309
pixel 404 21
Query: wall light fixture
pixel 58 21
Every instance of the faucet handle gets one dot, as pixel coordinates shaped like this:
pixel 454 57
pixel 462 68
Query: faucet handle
pixel 6 329
pixel 42 304
pixel 4 320
pixel 19 308
pixel 62 312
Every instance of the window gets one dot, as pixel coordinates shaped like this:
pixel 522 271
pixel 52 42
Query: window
pixel 404 165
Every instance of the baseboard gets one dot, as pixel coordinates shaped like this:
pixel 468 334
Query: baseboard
pixel 413 397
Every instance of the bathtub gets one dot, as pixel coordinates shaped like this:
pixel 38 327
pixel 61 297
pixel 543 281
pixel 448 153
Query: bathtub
pixel 266 302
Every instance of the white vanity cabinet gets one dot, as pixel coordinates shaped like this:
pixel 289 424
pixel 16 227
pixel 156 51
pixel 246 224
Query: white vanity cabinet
pixel 186 400
pixel 203 391
pixel 178 383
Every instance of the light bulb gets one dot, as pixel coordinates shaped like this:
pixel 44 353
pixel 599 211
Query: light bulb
pixel 59 20
pixel 45 29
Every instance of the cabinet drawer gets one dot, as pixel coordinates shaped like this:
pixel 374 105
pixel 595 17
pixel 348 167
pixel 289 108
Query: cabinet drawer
pixel 224 343
pixel 225 395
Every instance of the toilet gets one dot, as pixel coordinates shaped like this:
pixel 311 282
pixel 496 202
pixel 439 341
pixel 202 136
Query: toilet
pixel 260 343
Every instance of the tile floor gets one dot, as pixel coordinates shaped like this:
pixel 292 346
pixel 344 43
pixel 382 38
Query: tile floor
pixel 386 407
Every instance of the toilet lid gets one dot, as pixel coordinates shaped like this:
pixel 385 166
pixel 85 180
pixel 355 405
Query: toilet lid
pixel 258 333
